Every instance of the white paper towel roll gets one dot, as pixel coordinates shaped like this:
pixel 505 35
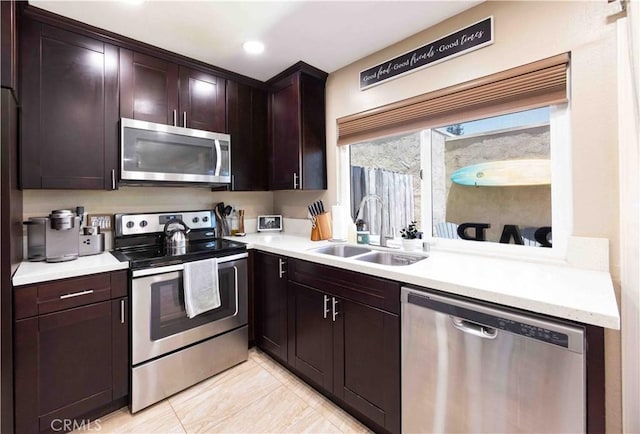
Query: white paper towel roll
pixel 339 218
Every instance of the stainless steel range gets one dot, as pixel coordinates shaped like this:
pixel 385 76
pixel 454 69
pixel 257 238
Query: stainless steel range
pixel 169 350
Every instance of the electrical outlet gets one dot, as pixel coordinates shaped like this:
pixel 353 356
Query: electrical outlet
pixel 103 221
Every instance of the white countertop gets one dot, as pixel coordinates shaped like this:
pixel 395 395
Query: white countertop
pixel 35 272
pixel 561 291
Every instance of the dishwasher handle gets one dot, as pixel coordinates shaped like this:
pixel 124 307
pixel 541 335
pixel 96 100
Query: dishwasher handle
pixel 473 328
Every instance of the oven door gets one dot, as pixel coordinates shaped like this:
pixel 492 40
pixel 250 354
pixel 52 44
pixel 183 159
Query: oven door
pixel 159 321
pixel 157 152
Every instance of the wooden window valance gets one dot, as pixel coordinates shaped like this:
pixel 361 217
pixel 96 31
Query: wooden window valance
pixel 525 87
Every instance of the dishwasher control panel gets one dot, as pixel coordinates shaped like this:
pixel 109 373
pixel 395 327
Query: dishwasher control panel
pixel 485 318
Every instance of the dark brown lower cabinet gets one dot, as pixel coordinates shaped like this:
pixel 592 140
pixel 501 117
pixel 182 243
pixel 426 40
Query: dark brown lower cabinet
pixel 343 345
pixel 367 362
pixel 310 331
pixel 270 286
pixel 71 363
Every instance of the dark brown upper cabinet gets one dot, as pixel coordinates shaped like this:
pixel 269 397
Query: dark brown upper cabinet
pixel 297 138
pixel 9 43
pixel 69 102
pixel 148 88
pixel 202 101
pixel 247 122
pixel 156 90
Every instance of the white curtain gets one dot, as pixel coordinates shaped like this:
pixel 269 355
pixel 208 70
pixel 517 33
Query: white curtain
pixel 395 190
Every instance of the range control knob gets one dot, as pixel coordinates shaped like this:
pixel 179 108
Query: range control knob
pixel 143 223
pixel 205 219
pixel 130 224
pixel 195 219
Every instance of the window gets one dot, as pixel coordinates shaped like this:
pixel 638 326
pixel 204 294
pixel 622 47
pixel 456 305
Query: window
pixel 489 180
pixel 496 167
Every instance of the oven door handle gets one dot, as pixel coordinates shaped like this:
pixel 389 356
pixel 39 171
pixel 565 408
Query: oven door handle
pixel 235 279
pixel 180 267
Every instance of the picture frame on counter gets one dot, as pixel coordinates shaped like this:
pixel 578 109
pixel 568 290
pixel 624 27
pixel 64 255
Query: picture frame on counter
pixel 268 223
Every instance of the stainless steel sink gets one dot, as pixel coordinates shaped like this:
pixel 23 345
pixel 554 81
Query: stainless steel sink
pixel 392 258
pixel 342 250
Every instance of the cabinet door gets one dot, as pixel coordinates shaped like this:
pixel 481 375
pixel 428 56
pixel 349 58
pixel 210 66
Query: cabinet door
pixel 8 40
pixel 310 335
pixel 120 340
pixel 148 88
pixel 247 122
pixel 367 362
pixel 271 300
pixel 313 133
pixel 202 101
pixel 63 365
pixel 69 122
pixel 285 135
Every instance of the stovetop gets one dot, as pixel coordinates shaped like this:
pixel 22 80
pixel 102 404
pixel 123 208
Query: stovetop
pixel 159 255
pixel 140 240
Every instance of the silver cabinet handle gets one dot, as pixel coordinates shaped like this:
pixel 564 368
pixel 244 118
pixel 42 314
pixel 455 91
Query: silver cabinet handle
pixel 474 328
pixel 295 180
pixel 281 270
pixel 184 119
pixel 325 311
pixel 113 179
pixel 334 311
pixel 175 118
pixel 76 294
pixel 122 311
pixel 233 182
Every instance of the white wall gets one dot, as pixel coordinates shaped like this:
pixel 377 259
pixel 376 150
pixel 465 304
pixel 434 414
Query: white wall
pixel 629 121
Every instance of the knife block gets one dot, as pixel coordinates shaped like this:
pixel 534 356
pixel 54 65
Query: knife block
pixel 321 228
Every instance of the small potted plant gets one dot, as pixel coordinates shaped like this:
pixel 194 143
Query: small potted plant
pixel 411 237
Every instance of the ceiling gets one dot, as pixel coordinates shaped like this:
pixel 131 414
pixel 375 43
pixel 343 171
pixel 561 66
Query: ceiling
pixel 326 34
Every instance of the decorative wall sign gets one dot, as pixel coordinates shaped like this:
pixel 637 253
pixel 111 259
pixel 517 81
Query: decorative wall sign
pixel 470 38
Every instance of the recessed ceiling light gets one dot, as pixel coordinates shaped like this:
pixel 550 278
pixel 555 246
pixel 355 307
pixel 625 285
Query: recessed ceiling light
pixel 253 47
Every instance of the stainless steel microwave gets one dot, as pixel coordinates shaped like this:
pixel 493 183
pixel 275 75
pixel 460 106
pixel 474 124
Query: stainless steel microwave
pixel 151 152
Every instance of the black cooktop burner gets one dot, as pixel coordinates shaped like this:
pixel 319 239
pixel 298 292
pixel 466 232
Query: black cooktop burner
pixel 159 255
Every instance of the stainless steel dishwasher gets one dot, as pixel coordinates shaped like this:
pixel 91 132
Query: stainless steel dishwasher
pixel 472 368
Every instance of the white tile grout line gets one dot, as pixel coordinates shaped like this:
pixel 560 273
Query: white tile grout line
pixel 176 415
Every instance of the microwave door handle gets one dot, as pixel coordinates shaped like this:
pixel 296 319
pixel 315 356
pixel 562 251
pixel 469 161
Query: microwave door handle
pixel 218 157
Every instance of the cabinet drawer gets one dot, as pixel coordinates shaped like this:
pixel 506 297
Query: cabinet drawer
pixel 372 291
pixel 61 294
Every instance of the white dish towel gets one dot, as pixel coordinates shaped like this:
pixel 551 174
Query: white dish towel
pixel 201 289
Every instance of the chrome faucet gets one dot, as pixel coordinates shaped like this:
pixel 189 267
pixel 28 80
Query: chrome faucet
pixel 383 211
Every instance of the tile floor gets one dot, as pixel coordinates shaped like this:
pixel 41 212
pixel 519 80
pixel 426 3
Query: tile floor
pixel 257 396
